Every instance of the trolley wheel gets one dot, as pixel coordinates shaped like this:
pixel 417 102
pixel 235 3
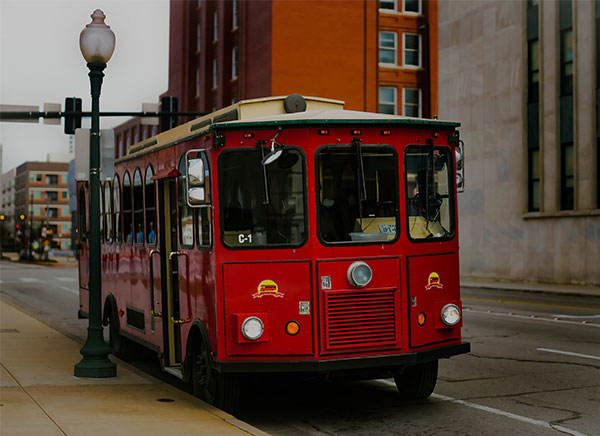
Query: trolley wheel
pixel 418 381
pixel 220 390
pixel 120 346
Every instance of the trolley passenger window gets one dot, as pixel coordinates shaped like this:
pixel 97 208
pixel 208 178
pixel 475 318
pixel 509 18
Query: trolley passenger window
pixel 108 213
pixel 262 205
pixel 357 194
pixel 200 188
pixel 100 191
pixel 429 188
pixel 150 197
pixel 186 213
pixel 127 209
pixel 117 208
pixel 138 207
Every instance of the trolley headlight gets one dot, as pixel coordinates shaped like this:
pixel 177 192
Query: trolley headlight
pixel 450 314
pixel 252 328
pixel 359 274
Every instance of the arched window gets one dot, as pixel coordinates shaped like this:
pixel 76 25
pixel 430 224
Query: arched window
pixel 117 209
pixel 138 207
pixel 127 210
pixel 108 216
pixel 102 207
pixel 150 198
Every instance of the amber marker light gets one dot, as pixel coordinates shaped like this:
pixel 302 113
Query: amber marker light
pixel 248 135
pixel 435 134
pixel 386 132
pixel 323 132
pixel 356 132
pixel 421 318
pixel 292 328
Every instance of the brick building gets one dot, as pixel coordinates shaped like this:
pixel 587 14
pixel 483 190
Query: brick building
pixel 41 194
pixel 377 56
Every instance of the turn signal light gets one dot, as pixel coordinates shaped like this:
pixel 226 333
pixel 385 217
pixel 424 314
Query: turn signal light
pixel 355 132
pixel 323 132
pixel 421 318
pixel 386 132
pixel 248 135
pixel 292 328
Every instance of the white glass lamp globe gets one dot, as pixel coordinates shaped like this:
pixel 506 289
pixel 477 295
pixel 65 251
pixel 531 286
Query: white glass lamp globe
pixel 97 41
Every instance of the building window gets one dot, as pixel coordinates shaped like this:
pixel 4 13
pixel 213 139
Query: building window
pixel 234 63
pixel 411 102
pixel 236 16
pixel 566 62
pixel 388 100
pixel 389 5
pixel 215 71
pixel 198 86
pixel 411 6
pixel 198 37
pixel 216 26
pixel 412 50
pixel 65 194
pixel 52 195
pixel 533 98
pixel 387 48
pixel 52 179
pixel 567 176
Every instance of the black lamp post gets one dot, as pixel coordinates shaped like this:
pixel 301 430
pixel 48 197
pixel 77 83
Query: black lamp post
pixel 97 43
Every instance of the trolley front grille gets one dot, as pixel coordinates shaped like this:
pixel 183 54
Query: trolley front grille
pixel 364 318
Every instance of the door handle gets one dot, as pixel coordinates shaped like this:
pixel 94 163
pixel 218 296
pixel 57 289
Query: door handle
pixel 187 291
pixel 151 269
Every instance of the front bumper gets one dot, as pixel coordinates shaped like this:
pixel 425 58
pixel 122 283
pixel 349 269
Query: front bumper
pixel 343 364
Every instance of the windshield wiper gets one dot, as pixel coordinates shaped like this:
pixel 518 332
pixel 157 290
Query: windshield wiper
pixel 261 157
pixel 362 186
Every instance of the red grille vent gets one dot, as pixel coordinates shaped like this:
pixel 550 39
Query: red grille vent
pixel 363 318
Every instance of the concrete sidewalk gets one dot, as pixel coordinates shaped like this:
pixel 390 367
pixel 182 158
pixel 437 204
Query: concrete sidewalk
pixel 479 283
pixel 40 396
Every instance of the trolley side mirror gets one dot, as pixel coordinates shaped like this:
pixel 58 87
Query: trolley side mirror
pixel 460 166
pixel 197 188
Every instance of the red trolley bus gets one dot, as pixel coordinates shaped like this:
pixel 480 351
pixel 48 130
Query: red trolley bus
pixel 284 235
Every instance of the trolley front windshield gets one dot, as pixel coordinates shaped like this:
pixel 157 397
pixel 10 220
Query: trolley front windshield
pixel 262 205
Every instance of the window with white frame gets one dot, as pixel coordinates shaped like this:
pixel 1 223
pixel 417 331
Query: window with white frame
pixel 387 48
pixel 215 81
pixel 388 100
pixel 234 63
pixel 235 14
pixel 411 102
pixel 216 26
pixel 412 50
pixel 388 5
pixel 411 6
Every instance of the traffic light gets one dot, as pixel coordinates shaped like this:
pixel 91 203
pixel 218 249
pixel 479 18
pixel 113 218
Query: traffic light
pixel 168 104
pixel 22 217
pixel 72 122
pixel 2 217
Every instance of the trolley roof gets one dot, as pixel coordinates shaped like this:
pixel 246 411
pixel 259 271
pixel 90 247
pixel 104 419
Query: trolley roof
pixel 271 112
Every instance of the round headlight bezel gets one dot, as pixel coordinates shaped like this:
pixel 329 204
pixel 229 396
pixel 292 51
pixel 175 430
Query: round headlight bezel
pixel 450 315
pixel 352 276
pixel 252 328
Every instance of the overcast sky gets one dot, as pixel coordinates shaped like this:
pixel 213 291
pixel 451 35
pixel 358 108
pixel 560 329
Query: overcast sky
pixel 40 62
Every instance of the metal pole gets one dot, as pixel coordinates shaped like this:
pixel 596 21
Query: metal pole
pixel 95 362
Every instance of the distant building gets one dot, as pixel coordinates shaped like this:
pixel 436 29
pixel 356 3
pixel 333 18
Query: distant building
pixel 7 207
pixel 524 79
pixel 377 56
pixel 42 196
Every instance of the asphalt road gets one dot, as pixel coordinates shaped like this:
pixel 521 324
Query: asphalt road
pixel 534 369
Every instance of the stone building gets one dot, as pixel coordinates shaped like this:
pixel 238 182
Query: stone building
pixel 523 78
pixel 7 208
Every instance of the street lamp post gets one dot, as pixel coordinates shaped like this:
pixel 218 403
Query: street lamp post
pixel 97 43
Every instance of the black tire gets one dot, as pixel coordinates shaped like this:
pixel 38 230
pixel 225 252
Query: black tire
pixel 418 381
pixel 221 390
pixel 120 346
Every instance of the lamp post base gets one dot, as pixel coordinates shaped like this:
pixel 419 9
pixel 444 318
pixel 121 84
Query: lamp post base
pixel 95 362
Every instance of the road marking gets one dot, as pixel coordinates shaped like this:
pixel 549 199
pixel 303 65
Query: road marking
pixel 66 279
pixel 576 316
pixel 70 290
pixel 532 317
pixel 521 418
pixel 30 280
pixel 568 353
pixel 526 303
